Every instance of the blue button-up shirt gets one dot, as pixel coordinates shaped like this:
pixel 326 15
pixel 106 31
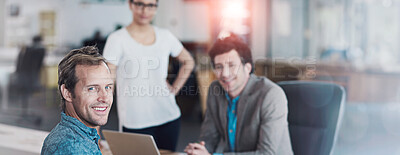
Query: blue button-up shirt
pixel 71 136
pixel 232 120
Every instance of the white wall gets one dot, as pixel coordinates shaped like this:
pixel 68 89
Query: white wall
pixel 189 21
pixel 78 21
pixel 196 22
pixel 170 16
pixel 26 24
pixel 2 14
pixel 259 36
pixel 287 28
pixel 75 21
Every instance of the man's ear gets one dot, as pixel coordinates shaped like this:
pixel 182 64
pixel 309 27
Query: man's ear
pixel 65 93
pixel 247 68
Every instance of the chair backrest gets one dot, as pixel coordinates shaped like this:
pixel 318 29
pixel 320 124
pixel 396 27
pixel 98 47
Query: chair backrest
pixel 315 112
pixel 29 63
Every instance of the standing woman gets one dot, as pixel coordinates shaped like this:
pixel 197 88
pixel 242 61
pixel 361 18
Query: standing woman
pixel 139 54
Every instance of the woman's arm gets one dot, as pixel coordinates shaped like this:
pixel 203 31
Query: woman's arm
pixel 187 62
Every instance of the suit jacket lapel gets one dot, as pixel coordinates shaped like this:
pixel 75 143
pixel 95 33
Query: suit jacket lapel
pixel 242 106
pixel 223 107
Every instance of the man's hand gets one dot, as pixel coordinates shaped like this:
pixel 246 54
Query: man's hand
pixel 197 149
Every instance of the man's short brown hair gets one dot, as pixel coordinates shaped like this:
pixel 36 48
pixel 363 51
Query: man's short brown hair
pixel 232 42
pixel 88 55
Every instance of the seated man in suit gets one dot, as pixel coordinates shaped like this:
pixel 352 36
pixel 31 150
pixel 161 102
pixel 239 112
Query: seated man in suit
pixel 86 87
pixel 245 114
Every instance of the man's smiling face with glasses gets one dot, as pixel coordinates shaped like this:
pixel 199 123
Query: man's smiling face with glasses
pixel 143 10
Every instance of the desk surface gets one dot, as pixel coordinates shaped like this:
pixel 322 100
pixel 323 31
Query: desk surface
pixel 105 150
pixel 21 140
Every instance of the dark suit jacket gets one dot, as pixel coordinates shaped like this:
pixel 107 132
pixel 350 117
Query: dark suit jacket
pixel 262 126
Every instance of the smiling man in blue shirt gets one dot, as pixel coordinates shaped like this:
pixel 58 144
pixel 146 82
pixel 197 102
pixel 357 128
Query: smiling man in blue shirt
pixel 245 114
pixel 86 87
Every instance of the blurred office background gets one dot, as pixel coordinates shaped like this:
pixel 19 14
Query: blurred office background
pixel 353 43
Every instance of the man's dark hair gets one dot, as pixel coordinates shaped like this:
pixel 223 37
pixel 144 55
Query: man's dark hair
pixel 88 55
pixel 37 39
pixel 233 42
pixel 133 0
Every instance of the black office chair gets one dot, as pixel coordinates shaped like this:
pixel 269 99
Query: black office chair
pixel 26 79
pixel 315 113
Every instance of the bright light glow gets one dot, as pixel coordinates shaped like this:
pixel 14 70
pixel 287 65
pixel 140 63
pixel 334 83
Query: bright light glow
pixel 223 34
pixel 234 14
pixel 235 9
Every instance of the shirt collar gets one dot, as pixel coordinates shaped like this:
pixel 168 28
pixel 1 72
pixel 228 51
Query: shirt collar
pixel 246 90
pixel 78 125
pixel 229 98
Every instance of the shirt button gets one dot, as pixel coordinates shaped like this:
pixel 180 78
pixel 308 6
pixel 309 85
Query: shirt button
pixel 233 111
pixel 230 131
